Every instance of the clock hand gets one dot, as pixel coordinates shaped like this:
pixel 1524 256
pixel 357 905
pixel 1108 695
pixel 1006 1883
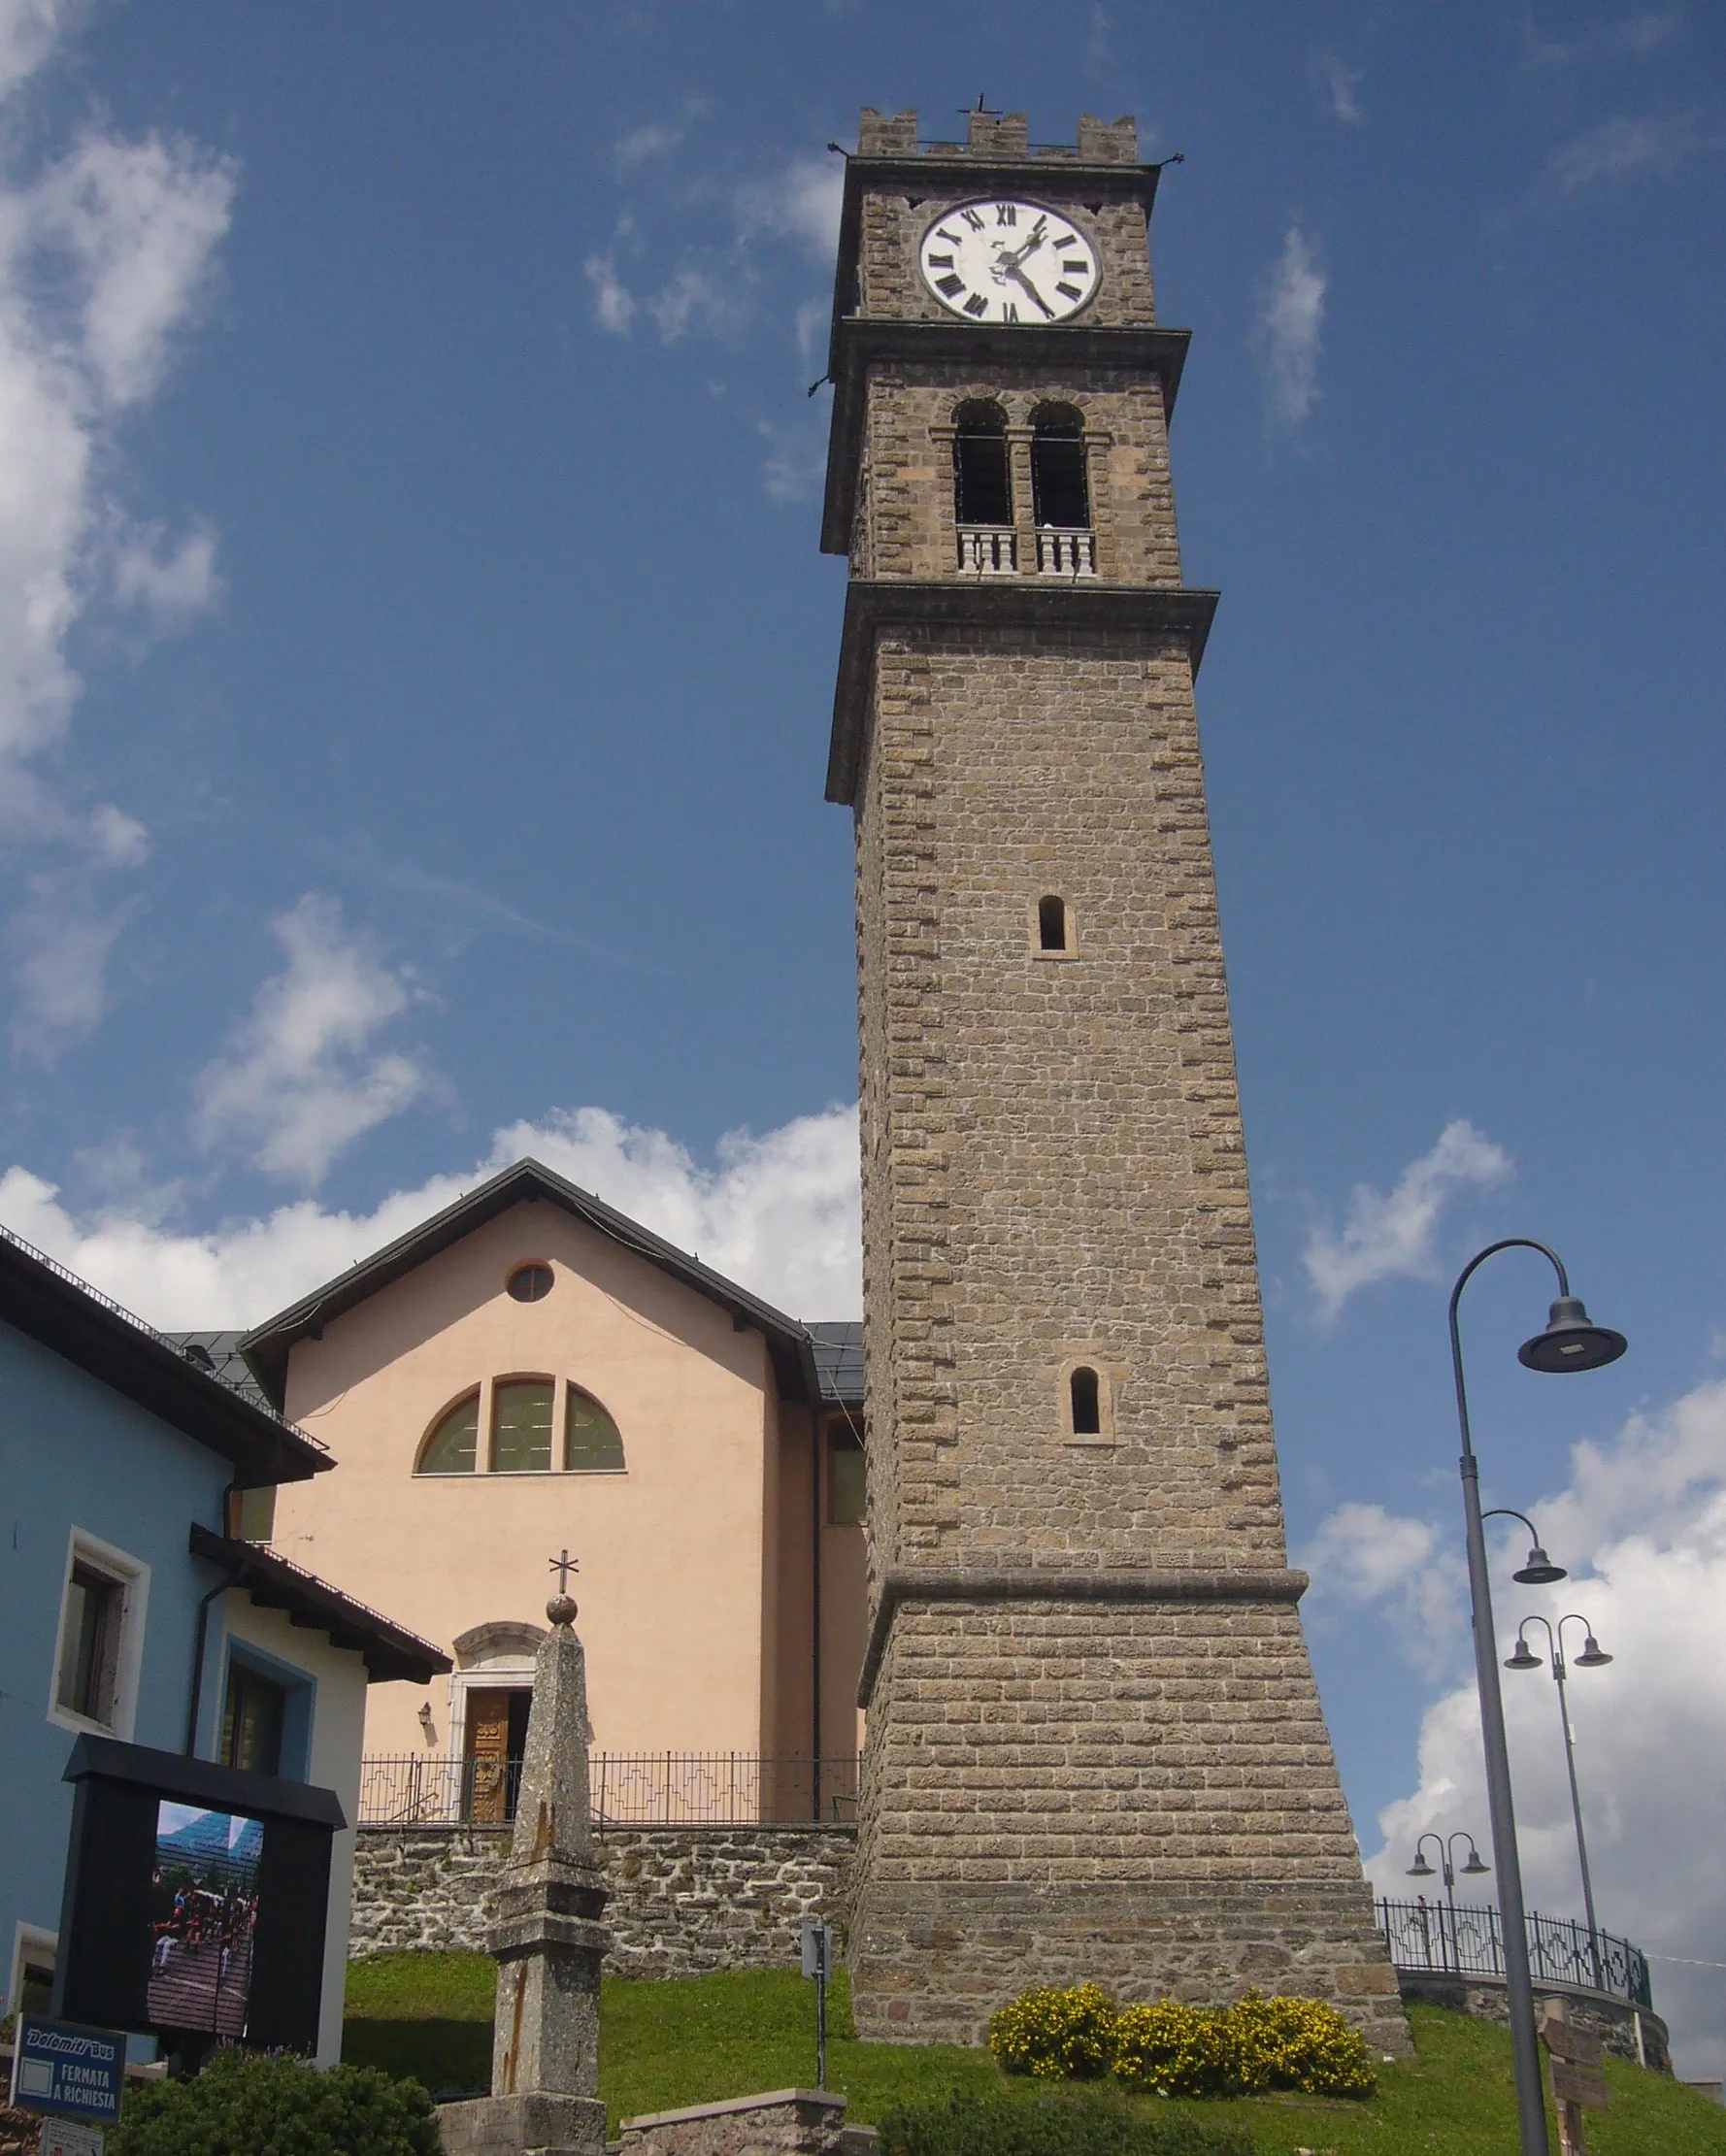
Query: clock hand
pixel 1018 277
pixel 1010 258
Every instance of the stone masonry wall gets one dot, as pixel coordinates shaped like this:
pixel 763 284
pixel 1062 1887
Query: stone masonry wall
pixel 684 1901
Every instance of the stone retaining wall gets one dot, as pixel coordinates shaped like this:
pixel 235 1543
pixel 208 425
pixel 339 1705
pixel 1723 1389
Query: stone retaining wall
pixel 1633 2033
pixel 686 1900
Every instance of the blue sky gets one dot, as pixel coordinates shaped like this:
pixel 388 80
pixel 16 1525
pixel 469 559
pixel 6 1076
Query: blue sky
pixel 415 664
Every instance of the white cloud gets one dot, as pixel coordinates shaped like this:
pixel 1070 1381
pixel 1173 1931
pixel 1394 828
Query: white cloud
pixel 1636 38
pixel 613 301
pixel 1642 1525
pixel 1338 84
pixel 694 295
pixel 1361 1555
pixel 779 1213
pixel 303 1078
pixel 61 940
pixel 796 461
pixel 171 582
pixel 1390 1235
pixel 657 139
pixel 1620 149
pixel 1290 329
pixel 800 203
pixel 103 253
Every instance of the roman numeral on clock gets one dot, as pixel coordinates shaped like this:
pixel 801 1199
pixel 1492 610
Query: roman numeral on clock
pixel 1007 212
pixel 953 286
pixel 1075 269
pixel 941 261
pixel 1070 292
pixel 942 233
pixel 977 304
pixel 972 218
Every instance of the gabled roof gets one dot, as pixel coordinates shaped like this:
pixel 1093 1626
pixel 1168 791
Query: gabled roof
pixel 40 1298
pixel 267 1346
pixel 390 1650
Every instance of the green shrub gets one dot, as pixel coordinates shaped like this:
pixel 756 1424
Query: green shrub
pixel 1178 2050
pixel 1057 2035
pixel 1089 2125
pixel 246 2106
pixel 1299 2043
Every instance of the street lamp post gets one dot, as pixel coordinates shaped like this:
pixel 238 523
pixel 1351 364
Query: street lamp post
pixel 1569 1343
pixel 1592 1657
pixel 1475 1868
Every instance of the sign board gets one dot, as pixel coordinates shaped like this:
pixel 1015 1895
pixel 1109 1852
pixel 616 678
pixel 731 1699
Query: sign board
pixel 817 1949
pixel 67 2070
pixel 1565 2039
pixel 64 2137
pixel 1579 2084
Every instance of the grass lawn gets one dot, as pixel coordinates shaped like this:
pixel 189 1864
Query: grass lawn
pixel 664 2045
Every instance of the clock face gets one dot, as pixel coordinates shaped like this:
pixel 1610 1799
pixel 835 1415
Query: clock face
pixel 1007 261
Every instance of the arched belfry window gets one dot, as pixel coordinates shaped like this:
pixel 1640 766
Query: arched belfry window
pixel 1051 924
pixel 1060 492
pixel 982 487
pixel 1059 495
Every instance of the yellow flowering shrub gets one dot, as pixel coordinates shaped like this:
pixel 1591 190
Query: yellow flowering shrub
pixel 1057 2035
pixel 1172 2050
pixel 1176 2050
pixel 1299 2043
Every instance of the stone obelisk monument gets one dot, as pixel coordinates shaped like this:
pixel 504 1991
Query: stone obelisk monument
pixel 545 1935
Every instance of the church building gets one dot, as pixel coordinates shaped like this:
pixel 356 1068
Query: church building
pixel 531 1373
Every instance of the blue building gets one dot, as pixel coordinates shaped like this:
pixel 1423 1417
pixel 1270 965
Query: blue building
pixel 133 1604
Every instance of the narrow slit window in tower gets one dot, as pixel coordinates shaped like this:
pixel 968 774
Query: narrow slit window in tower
pixel 1052 923
pixel 1087 1403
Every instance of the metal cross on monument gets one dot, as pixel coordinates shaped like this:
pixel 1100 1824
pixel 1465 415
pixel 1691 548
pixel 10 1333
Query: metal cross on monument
pixel 563 1564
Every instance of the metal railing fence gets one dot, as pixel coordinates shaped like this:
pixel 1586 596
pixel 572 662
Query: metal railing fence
pixel 661 1789
pixel 1470 1942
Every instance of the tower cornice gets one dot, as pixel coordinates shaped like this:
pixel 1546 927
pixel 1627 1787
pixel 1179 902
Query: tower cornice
pixel 873 605
pixel 860 341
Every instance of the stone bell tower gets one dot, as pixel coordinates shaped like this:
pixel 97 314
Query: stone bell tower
pixel 1094 1743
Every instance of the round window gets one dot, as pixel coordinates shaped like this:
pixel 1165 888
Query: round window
pixel 530 1283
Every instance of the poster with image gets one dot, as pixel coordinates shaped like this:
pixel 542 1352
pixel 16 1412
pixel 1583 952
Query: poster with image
pixel 202 1915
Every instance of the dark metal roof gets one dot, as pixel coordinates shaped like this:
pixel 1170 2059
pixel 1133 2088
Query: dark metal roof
pixel 391 1651
pixel 267 1346
pixel 51 1305
pixel 839 1361
pixel 219 1353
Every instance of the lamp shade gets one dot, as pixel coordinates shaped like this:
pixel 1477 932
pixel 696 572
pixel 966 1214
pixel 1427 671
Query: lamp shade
pixel 1570 1340
pixel 1593 1655
pixel 1539 1571
pixel 1420 1869
pixel 1475 1865
pixel 1524 1657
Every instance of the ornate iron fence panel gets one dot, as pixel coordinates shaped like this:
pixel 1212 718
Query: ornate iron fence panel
pixel 1469 1943
pixel 664 1789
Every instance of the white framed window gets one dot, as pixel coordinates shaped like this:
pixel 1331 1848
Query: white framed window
pixel 99 1642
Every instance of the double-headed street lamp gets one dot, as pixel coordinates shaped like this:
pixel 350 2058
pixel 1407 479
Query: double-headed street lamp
pixel 1569 1343
pixel 1475 1868
pixel 1592 1657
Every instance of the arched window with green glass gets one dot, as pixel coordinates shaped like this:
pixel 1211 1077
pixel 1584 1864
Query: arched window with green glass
pixel 453 1444
pixel 522 1425
pixel 592 1443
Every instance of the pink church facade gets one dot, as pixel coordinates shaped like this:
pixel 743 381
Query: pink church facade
pixel 531 1373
